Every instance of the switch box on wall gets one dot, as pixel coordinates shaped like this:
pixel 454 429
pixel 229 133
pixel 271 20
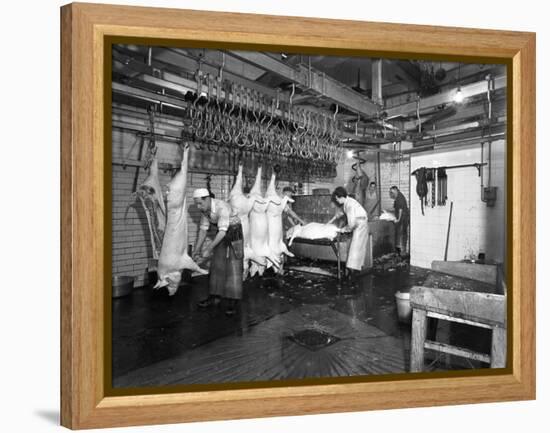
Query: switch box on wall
pixel 489 195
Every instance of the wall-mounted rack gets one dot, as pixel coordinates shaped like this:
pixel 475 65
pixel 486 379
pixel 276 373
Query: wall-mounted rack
pixel 450 167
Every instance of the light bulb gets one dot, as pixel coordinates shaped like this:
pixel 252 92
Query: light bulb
pixel 459 97
pixel 350 154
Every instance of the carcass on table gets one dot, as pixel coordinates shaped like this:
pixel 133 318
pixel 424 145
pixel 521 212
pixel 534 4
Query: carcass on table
pixel 312 231
pixel 388 216
pixel 173 255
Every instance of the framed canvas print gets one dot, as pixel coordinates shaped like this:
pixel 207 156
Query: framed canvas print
pixel 265 216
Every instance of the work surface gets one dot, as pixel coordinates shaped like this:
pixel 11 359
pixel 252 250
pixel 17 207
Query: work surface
pixel 353 330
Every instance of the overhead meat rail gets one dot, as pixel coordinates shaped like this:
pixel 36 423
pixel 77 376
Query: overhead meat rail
pixel 221 115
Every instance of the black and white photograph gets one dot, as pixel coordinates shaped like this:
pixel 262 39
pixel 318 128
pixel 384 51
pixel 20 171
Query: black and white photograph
pixel 291 216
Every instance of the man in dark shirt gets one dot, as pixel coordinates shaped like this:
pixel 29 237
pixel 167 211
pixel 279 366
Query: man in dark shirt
pixel 401 210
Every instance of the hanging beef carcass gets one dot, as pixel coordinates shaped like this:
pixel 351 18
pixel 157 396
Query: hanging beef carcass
pixel 242 205
pixel 173 255
pixel 275 207
pixel 312 231
pixel 362 183
pixel 149 194
pixel 259 234
pixel 358 185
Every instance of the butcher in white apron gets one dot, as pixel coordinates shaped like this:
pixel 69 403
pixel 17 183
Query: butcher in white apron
pixel 358 224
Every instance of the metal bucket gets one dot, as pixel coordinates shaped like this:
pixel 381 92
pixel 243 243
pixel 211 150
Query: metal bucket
pixel 404 310
pixel 122 286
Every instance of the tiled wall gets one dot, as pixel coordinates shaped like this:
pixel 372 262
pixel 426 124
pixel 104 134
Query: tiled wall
pixel 475 227
pixel 394 171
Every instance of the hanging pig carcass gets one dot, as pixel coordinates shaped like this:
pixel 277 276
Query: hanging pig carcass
pixel 150 196
pixel 259 234
pixel 173 255
pixel 242 205
pixel 275 207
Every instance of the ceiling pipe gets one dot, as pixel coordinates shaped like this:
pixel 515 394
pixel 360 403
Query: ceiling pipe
pixel 456 143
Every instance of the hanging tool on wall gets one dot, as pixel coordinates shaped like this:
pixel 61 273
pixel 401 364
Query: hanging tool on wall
pixel 488 192
pixel 430 182
pixel 421 185
pixel 448 232
pixel 441 186
pixel 141 141
pixel 437 186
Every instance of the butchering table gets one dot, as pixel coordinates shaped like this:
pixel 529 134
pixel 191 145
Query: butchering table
pixel 335 245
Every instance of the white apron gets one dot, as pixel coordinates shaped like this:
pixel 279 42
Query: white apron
pixel 357 220
pixel 358 246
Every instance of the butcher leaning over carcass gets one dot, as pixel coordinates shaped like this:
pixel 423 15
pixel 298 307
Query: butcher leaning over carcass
pixel 173 254
pixel 358 224
pixel 226 265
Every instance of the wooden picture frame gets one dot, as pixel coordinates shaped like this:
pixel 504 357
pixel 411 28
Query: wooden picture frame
pixel 85 33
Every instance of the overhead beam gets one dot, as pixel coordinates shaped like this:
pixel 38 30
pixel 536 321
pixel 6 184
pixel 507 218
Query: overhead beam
pixel 409 72
pixel 218 58
pixel 270 64
pixel 147 95
pixel 314 80
pixel 172 60
pixel 463 134
pixel 444 98
pixel 462 113
pixel 469 73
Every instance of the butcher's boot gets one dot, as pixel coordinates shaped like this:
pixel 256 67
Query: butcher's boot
pixel 232 306
pixel 212 300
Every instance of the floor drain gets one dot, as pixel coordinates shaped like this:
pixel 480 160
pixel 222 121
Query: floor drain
pixel 313 339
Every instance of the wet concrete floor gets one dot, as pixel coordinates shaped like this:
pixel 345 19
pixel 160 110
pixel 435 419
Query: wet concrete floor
pixel 298 325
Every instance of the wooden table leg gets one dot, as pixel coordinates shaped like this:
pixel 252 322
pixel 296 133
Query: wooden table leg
pixel 498 348
pixel 418 338
pixel 336 248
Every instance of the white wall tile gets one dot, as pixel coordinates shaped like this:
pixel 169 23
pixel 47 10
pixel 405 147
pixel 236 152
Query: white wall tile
pixel 475 227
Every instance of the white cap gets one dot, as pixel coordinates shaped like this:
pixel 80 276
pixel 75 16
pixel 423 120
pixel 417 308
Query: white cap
pixel 200 193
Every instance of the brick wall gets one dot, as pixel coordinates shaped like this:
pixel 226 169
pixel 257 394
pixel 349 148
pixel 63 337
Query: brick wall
pixel 475 227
